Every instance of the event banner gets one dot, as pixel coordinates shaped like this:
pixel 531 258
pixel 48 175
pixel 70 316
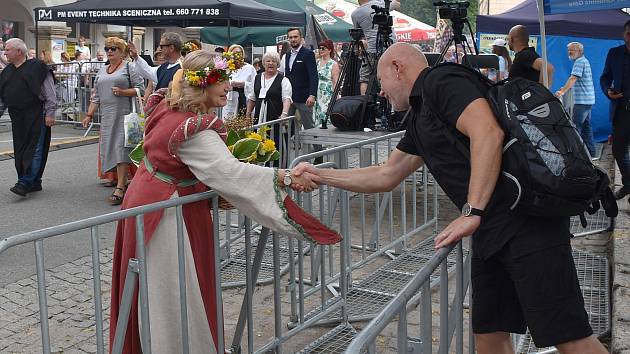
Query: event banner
pixel 86 15
pixel 566 6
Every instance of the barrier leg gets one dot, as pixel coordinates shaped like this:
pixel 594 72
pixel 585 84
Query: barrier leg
pixel 98 303
pixel 125 306
pixel 41 294
pixel 183 306
pixel 242 317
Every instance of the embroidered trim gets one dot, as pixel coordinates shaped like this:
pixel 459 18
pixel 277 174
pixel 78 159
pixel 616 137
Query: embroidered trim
pixel 192 126
pixel 285 214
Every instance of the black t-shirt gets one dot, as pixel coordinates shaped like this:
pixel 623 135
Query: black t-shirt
pixel 451 90
pixel 522 65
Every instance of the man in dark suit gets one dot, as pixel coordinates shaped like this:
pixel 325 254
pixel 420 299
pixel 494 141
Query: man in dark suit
pixel 615 83
pixel 301 70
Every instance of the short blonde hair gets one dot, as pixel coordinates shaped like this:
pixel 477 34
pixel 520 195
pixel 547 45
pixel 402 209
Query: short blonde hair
pixel 181 95
pixel 273 56
pixel 116 42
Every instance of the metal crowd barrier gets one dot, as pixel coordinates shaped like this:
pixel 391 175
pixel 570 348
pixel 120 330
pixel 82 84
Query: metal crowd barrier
pixel 233 254
pixel 73 87
pixel 451 320
pixel 137 266
pixel 320 278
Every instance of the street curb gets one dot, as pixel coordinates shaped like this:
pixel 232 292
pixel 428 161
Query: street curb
pixel 58 145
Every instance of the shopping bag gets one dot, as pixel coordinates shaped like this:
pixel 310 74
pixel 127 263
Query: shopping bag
pixel 134 122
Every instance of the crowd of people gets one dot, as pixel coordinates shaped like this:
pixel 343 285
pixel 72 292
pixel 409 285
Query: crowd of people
pixel 191 93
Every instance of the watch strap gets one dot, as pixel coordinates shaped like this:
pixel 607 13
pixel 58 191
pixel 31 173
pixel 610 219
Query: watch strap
pixel 477 212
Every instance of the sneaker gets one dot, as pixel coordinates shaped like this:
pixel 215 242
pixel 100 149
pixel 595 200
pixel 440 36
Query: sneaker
pixel 19 189
pixel 622 192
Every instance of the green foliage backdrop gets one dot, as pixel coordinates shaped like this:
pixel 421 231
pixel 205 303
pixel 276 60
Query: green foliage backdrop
pixel 423 10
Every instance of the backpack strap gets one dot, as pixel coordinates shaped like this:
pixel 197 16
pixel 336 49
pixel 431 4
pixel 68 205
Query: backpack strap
pixel 449 132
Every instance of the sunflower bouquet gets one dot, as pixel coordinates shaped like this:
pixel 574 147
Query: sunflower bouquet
pixel 248 145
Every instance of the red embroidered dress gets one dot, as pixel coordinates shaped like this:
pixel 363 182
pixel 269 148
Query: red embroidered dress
pixel 186 147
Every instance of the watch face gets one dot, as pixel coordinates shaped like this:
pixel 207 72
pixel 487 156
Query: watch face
pixel 466 209
pixel 287 180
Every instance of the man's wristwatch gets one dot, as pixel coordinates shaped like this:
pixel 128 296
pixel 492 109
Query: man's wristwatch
pixel 468 210
pixel 287 180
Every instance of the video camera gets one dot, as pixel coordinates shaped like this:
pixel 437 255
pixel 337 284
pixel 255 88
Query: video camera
pixel 382 16
pixel 454 10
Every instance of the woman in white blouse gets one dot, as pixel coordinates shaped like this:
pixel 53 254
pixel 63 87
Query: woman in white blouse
pixel 237 97
pixel 270 96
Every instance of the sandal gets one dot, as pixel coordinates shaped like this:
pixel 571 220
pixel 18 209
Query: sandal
pixel 116 199
pixel 110 184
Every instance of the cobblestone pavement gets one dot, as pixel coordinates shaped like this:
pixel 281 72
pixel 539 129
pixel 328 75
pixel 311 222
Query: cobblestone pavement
pixel 70 309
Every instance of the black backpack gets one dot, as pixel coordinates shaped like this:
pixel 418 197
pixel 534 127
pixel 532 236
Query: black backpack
pixel 545 161
pixel 352 113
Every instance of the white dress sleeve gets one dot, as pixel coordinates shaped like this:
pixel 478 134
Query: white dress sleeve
pixel 250 188
pixel 287 90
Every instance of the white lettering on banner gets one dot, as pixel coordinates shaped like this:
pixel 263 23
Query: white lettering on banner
pixel 142 13
pixel 104 13
pixel 590 2
pixel 403 36
pixel 76 14
pixel 325 19
pixel 44 14
pixel 47 15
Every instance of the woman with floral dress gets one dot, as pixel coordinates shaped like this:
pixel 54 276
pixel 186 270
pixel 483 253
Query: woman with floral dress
pixel 328 71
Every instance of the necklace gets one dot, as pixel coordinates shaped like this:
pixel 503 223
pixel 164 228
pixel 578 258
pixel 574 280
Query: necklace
pixel 116 68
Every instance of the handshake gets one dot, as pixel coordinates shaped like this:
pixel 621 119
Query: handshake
pixel 305 177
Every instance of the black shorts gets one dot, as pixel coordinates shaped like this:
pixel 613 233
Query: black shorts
pixel 538 289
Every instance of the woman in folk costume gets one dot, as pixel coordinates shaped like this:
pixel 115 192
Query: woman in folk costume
pixel 185 153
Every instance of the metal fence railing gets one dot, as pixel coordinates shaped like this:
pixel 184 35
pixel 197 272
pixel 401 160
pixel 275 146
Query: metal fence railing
pixel 451 319
pixel 73 86
pixel 320 279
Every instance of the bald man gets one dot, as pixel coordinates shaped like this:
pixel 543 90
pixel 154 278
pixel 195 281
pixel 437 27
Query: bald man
pixel 527 63
pixel 514 256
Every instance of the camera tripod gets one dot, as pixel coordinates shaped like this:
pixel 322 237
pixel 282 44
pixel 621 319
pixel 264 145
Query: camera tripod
pixel 348 82
pixel 459 39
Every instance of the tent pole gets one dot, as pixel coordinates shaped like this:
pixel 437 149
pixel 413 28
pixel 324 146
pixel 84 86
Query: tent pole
pixel 543 44
pixel 36 36
pixel 130 35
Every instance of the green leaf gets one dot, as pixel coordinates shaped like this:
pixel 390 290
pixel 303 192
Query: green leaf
pixel 137 154
pixel 232 137
pixel 271 156
pixel 243 134
pixel 244 148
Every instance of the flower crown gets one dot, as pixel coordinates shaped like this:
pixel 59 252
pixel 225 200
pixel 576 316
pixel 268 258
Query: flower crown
pixel 190 47
pixel 218 70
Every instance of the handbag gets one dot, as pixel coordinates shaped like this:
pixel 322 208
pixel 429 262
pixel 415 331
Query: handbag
pixel 134 122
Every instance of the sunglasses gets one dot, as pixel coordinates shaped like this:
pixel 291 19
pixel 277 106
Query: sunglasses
pixel 320 48
pixel 110 49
